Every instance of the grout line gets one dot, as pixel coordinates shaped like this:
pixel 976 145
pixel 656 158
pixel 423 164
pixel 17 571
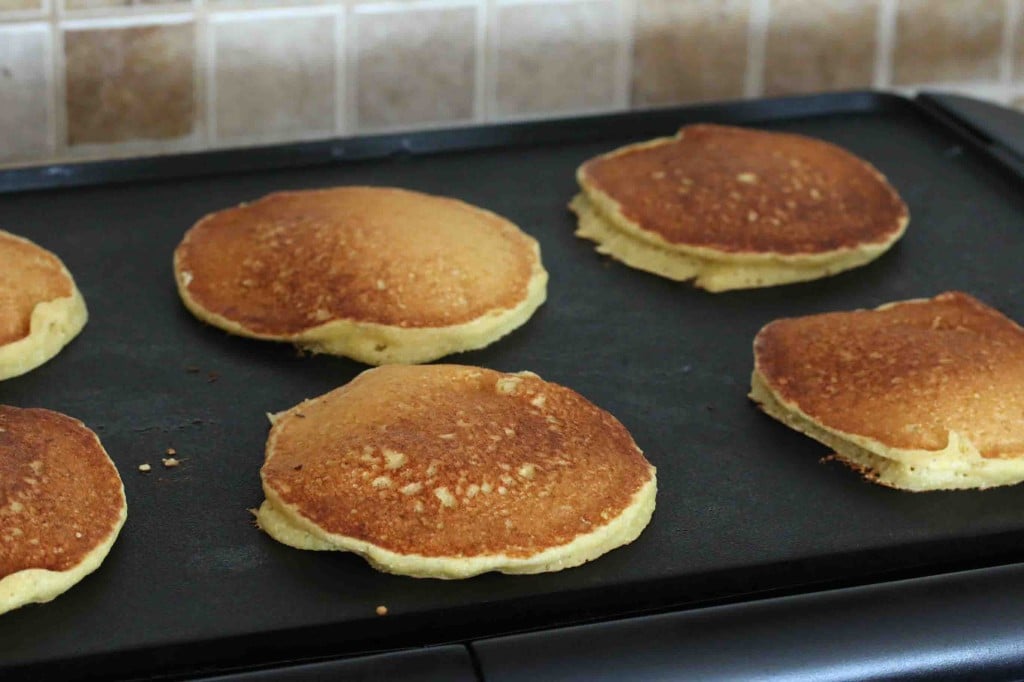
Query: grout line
pixel 51 89
pixel 480 62
pixel 280 12
pixel 410 6
pixel 59 90
pixel 349 110
pixel 1012 19
pixel 757 39
pixel 624 63
pixel 340 57
pixel 209 57
pixel 129 21
pixel 491 62
pixel 885 43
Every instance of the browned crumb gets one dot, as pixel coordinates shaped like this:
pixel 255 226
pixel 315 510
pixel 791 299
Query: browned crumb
pixel 212 377
pixel 382 610
pixel 171 451
pixel 145 468
pixel 170 462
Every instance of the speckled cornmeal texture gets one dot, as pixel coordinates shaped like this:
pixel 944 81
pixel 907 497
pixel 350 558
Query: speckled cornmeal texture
pixel 41 310
pixel 921 395
pixel 378 274
pixel 61 504
pixel 734 207
pixel 448 471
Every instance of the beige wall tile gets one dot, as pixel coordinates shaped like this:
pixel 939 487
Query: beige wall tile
pixel 129 83
pixel 414 65
pixel 947 40
pixel 557 57
pixel 689 50
pixel 19 6
pixel 274 75
pixel 813 45
pixel 24 92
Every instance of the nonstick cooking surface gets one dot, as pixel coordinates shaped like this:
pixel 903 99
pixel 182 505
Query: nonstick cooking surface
pixel 744 503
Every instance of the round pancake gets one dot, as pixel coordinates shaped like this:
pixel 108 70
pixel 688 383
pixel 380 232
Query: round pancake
pixel 61 504
pixel 41 309
pixel 449 471
pixel 921 394
pixel 735 207
pixel 380 275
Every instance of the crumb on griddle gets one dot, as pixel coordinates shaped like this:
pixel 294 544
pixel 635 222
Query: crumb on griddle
pixel 192 369
pixel 382 610
pixel 171 452
pixel 145 468
pixel 212 377
pixel 170 462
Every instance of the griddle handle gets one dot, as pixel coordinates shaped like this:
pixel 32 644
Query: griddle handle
pixel 1001 129
pixel 967 625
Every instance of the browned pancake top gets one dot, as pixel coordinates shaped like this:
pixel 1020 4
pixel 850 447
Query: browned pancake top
pixel 60 495
pixel 905 375
pixel 470 470
pixel 740 190
pixel 295 260
pixel 29 275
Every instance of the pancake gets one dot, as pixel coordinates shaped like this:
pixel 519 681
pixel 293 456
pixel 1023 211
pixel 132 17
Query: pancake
pixel 379 275
pixel 61 505
pixel 448 471
pixel 41 309
pixel 917 395
pixel 735 208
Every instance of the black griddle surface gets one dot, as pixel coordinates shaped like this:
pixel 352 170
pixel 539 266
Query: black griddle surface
pixel 744 504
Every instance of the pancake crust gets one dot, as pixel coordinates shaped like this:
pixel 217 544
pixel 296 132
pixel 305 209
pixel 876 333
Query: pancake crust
pixel 921 395
pixel 377 274
pixel 736 208
pixel 62 504
pixel 447 471
pixel 41 309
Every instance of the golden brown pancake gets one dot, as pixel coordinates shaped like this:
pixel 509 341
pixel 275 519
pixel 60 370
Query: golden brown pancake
pixel 920 395
pixel 61 504
pixel 448 471
pixel 377 274
pixel 41 309
pixel 737 208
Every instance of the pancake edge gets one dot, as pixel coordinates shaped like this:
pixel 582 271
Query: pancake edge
pixel 283 523
pixel 713 274
pixel 373 343
pixel 958 466
pixel 38 585
pixel 52 326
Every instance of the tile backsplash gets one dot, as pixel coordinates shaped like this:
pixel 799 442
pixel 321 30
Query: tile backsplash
pixel 111 78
